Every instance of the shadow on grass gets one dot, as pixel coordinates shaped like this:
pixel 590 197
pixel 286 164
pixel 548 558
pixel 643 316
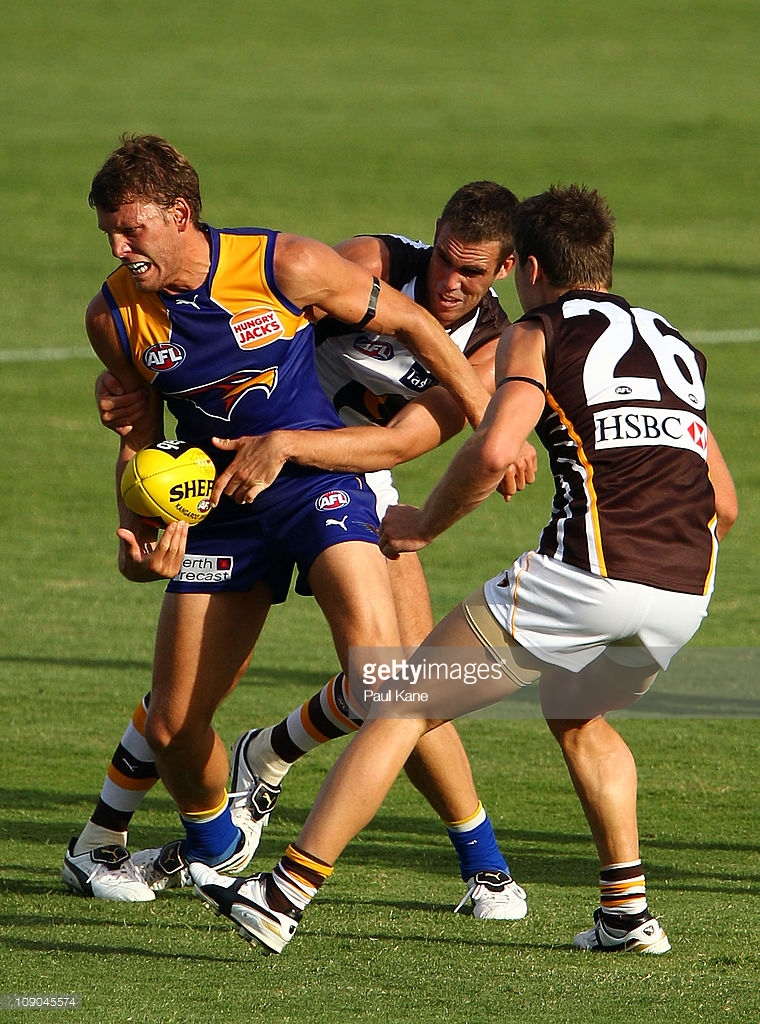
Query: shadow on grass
pixel 99 949
pixel 257 675
pixel 392 843
pixel 98 664
pixel 476 940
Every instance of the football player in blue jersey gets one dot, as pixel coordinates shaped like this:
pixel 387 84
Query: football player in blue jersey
pixel 172 267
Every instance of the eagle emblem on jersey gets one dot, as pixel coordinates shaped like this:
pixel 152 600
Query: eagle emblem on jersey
pixel 219 398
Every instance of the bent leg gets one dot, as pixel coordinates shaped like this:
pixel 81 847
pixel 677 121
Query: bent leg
pixel 361 777
pixel 439 769
pixel 203 646
pixel 603 773
pixel 438 766
pixel 411 599
pixel 352 586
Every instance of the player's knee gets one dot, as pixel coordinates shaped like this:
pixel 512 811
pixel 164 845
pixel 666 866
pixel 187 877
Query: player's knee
pixel 157 735
pixel 566 731
pixel 165 734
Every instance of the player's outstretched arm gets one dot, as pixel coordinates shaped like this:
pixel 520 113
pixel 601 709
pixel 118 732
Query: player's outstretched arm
pixel 413 431
pixel 480 464
pixel 317 279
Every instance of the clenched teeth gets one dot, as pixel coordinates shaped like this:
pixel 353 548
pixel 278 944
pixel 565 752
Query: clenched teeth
pixel 138 268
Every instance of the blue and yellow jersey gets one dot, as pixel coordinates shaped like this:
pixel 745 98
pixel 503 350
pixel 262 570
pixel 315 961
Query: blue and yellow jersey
pixel 234 357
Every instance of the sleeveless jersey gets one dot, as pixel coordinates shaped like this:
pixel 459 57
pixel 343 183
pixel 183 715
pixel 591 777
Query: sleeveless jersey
pixel 368 376
pixel 234 357
pixel 625 429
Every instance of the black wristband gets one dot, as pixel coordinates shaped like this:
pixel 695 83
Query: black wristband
pixel 526 380
pixel 372 304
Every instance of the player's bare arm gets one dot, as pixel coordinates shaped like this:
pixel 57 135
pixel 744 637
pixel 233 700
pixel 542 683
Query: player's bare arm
pixel 362 449
pixel 143 555
pixel 369 252
pixel 523 470
pixel 316 278
pixel 104 339
pixel 726 503
pixel 478 467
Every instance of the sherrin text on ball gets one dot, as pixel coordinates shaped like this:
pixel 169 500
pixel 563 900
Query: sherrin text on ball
pixel 170 480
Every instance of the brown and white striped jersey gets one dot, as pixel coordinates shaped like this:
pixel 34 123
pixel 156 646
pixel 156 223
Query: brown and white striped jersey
pixel 369 377
pixel 626 432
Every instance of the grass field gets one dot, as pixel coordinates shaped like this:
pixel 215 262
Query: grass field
pixel 329 120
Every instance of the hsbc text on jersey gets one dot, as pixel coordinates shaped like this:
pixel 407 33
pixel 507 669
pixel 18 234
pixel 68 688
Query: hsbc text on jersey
pixel 630 426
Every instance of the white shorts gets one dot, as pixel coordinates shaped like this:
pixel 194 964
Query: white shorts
pixel 381 482
pixel 568 617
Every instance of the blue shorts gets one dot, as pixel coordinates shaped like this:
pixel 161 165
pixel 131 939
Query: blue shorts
pixel 301 515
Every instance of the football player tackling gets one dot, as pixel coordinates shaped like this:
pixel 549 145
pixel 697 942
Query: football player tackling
pixel 619 581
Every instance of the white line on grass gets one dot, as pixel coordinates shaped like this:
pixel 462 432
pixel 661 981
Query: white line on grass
pixel 47 355
pixel 716 337
pixel 44 355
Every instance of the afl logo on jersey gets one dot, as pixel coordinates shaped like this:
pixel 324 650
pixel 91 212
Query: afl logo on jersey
pixel 375 347
pixel 331 500
pixel 256 327
pixel 163 356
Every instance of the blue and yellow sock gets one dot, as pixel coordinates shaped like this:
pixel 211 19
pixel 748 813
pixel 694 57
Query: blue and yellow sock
pixel 474 840
pixel 210 836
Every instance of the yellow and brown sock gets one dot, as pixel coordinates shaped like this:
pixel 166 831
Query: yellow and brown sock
pixel 296 880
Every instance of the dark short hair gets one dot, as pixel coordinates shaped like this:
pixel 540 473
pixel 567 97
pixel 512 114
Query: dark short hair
pixel 147 168
pixel 481 211
pixel 569 229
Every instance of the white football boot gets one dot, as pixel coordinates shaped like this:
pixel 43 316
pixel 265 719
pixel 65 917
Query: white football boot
pixel 107 873
pixel 244 902
pixel 249 794
pixel 614 933
pixel 495 896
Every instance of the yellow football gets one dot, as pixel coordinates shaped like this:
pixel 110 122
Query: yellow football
pixel 170 480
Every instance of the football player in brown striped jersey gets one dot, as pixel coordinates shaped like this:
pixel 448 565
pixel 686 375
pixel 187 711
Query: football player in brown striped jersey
pixel 617 584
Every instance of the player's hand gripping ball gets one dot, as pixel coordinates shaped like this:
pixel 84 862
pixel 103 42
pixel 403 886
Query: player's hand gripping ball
pixel 171 481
